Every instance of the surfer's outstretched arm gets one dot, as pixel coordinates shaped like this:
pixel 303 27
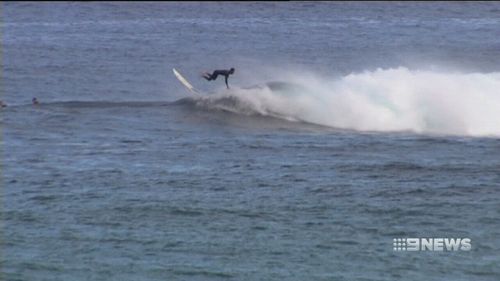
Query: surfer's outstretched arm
pixel 226 82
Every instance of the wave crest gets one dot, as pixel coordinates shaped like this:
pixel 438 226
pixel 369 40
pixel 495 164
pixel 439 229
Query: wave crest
pixel 396 99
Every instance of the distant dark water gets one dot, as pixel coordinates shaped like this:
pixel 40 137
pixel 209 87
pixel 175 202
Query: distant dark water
pixel 117 175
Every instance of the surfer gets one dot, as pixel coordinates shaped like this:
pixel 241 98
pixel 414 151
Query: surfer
pixel 34 101
pixel 216 73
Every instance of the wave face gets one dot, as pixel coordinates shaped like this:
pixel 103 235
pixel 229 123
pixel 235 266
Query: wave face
pixel 398 99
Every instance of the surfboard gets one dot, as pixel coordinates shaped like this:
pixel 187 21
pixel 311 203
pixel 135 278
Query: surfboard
pixel 185 82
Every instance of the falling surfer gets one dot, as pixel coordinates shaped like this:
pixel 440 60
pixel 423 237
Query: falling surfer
pixel 216 73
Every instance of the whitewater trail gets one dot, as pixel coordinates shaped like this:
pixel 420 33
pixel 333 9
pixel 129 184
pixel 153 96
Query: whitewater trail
pixel 384 100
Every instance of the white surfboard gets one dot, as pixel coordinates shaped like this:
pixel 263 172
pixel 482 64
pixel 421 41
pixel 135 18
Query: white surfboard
pixel 185 82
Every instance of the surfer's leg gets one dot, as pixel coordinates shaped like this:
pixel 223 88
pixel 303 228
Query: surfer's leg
pixel 214 75
pixel 209 76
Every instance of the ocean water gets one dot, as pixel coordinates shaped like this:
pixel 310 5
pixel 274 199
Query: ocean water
pixel 346 125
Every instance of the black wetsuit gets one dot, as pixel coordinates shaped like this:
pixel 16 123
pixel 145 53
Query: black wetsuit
pixel 216 73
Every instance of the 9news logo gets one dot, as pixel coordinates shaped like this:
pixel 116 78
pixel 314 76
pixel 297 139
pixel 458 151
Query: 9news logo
pixel 431 244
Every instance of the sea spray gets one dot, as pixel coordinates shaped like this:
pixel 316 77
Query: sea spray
pixel 397 99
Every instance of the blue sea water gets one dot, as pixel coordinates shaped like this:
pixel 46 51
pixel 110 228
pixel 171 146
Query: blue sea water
pixel 346 125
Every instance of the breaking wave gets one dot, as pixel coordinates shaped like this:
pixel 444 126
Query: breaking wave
pixel 383 100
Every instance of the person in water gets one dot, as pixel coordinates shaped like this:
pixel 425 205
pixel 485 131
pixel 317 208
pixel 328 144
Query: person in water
pixel 216 73
pixel 35 101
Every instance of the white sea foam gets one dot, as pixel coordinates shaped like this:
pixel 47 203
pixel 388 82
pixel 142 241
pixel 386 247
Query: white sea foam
pixel 397 99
